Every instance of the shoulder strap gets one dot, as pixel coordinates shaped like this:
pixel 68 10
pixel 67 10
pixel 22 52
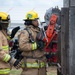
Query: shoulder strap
pixel 30 35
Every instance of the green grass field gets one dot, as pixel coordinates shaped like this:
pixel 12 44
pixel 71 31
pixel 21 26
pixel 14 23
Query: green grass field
pixel 50 71
pixel 16 72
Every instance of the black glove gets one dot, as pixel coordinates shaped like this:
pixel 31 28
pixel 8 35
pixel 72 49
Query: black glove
pixel 18 63
pixel 40 44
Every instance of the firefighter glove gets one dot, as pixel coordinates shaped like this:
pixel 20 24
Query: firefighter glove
pixel 18 63
pixel 40 44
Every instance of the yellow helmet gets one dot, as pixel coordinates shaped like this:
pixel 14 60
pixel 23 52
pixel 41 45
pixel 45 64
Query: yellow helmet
pixel 31 15
pixel 4 17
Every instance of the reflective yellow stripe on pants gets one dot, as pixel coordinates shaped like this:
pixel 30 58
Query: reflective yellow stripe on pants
pixel 34 65
pixel 4 71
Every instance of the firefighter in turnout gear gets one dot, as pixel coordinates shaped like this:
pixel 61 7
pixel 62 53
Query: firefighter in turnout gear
pixel 34 61
pixel 5 58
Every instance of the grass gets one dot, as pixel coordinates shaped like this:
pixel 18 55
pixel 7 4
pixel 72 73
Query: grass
pixel 15 71
pixel 50 71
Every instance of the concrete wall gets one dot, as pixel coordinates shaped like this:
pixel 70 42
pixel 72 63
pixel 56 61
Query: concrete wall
pixel 71 48
pixel 68 3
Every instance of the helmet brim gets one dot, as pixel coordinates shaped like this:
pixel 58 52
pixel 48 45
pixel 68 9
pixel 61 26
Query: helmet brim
pixel 4 22
pixel 30 19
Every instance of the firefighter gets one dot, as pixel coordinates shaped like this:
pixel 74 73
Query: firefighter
pixel 32 50
pixel 5 58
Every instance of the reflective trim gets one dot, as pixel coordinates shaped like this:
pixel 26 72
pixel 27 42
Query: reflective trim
pixel 5 47
pixel 42 64
pixel 5 71
pixel 34 65
pixel 8 37
pixel 6 58
pixel 34 46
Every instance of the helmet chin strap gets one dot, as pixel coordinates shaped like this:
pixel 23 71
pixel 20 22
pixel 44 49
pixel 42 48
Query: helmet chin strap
pixel 35 26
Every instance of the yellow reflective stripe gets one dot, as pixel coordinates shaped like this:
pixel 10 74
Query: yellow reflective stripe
pixel 23 65
pixel 34 65
pixel 6 58
pixel 42 64
pixel 5 47
pixel 8 37
pixel 34 46
pixel 5 71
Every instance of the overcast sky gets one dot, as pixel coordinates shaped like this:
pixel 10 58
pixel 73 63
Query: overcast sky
pixel 18 8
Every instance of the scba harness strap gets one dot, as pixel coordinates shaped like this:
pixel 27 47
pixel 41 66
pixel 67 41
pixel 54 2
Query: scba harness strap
pixel 30 35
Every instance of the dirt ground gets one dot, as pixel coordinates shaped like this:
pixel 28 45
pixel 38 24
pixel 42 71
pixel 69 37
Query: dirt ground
pixel 52 70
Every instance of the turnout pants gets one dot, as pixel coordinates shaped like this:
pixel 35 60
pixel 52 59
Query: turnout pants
pixel 34 71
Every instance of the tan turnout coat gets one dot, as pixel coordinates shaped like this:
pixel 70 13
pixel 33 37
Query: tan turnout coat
pixel 37 55
pixel 3 42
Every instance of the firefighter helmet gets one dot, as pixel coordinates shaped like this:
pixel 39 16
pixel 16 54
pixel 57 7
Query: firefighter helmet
pixel 4 17
pixel 31 15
